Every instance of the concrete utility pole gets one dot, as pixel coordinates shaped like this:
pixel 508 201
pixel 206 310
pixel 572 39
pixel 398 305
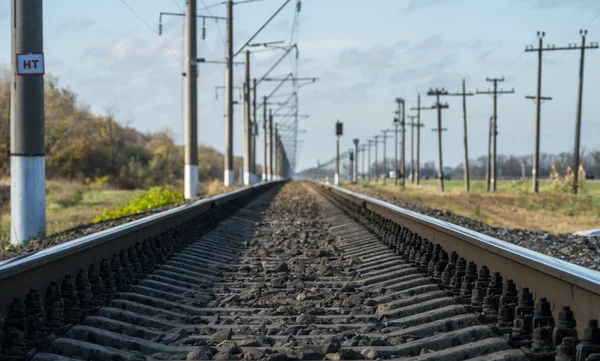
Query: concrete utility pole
pixel 363 149
pixel 385 172
pixel 355 178
pixel 265 141
pixel 539 98
pixel 464 96
pixel 191 105
pixel 350 166
pixel 271 174
pixel 401 116
pixel 27 154
pixel 369 164
pixel 228 176
pixel 495 93
pixel 277 154
pixel 339 130
pixel 376 165
pixel 439 106
pixel 413 125
pixel 396 166
pixel 488 169
pixel 254 133
pixel 247 125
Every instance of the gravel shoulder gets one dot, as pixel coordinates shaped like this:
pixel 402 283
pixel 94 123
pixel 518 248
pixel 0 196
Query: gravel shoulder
pixel 580 250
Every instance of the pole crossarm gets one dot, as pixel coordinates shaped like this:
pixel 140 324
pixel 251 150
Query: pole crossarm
pixel 314 79
pixel 203 17
pixel 203 60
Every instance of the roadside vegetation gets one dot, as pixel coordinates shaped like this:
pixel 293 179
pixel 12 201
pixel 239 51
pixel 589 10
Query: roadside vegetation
pixel 98 167
pixel 512 206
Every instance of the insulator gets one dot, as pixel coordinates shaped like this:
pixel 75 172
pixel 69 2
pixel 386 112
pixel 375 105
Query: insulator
pixel 299 6
pixel 159 28
pixel 203 33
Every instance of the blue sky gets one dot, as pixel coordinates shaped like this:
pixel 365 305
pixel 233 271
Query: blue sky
pixel 366 54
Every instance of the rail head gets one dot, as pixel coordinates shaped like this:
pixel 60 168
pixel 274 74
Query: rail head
pixel 573 274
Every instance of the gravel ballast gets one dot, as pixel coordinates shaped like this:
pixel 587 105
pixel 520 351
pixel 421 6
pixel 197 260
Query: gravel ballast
pixel 580 250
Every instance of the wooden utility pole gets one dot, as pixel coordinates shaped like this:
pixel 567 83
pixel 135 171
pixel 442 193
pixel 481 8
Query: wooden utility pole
pixel 464 96
pixel 439 106
pixel 488 168
pixel 376 167
pixel 418 108
pixel 495 92
pixel 539 98
pixel 413 125
pixel 440 166
pixel 401 115
pixel 385 153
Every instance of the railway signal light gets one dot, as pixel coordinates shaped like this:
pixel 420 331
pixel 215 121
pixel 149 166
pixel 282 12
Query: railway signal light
pixel 339 128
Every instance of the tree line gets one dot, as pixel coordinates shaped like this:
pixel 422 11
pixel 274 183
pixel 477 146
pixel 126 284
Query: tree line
pixel 80 145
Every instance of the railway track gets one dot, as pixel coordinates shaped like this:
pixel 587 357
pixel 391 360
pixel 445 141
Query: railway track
pixel 291 272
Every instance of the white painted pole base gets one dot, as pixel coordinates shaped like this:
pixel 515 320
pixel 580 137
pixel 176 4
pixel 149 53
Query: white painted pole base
pixel 247 176
pixel 228 178
pixel 264 177
pixel 190 181
pixel 28 198
pixel 336 179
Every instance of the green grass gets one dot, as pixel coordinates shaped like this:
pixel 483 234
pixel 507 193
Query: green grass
pixel 153 198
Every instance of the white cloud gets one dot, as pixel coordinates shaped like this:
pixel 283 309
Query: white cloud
pixel 331 45
pixel 135 48
pixel 378 56
pixel 74 25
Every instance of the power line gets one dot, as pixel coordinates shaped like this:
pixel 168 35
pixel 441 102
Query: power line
pixel 539 98
pixel 139 17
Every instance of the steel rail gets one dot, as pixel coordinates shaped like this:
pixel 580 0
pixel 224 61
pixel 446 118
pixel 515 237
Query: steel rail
pixel 20 274
pixel 562 282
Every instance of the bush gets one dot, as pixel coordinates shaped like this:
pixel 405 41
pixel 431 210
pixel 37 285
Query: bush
pixel 152 198
pixel 564 184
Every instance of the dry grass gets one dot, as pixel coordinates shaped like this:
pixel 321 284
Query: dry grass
pixel 214 187
pixel 70 204
pixel 556 213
